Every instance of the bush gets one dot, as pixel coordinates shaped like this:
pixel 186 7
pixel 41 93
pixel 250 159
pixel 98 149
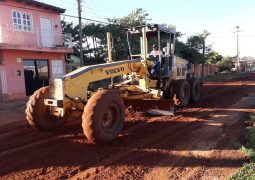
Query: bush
pixel 251 137
pixel 246 173
pixel 248 170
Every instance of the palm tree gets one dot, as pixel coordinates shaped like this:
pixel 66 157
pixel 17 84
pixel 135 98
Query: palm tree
pixel 203 37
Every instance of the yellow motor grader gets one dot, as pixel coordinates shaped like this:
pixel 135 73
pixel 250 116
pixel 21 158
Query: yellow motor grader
pixel 143 77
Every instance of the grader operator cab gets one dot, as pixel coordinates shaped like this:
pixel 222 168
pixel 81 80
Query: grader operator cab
pixel 159 60
pixel 103 108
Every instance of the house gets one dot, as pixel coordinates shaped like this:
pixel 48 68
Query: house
pixel 32 47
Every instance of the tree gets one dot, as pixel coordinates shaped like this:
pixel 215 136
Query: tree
pixel 203 36
pixel 198 42
pixel 184 51
pixel 117 27
pixel 74 31
pixel 95 36
pixel 189 50
pixel 95 43
pixel 227 63
pixel 137 17
pixel 213 57
pixel 93 39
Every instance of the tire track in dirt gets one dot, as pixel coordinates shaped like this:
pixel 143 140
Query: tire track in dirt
pixel 47 142
pixel 44 142
pixel 26 136
pixel 173 132
pixel 39 137
pixel 158 144
pixel 199 138
pixel 227 136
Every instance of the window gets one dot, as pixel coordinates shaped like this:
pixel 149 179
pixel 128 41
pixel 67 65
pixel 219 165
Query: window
pixel 22 21
pixel 39 67
pixel 57 68
pixel 36 73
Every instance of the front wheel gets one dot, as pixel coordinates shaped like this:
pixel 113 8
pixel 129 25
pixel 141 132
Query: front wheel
pixel 38 115
pixel 103 117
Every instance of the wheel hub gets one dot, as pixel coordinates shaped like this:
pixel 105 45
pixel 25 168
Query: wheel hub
pixel 108 119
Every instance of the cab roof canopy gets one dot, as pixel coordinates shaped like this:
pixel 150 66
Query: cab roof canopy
pixel 151 28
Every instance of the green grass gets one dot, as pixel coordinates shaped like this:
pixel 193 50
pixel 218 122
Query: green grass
pixel 247 172
pixel 224 76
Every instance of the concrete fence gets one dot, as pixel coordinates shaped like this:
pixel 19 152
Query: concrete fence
pixel 209 69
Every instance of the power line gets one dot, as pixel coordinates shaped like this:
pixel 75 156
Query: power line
pixel 104 5
pixel 88 19
pixel 108 12
pixel 94 13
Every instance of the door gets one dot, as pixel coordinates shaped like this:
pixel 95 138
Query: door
pixel 3 83
pixel 47 32
pixel 36 74
pixel 1 37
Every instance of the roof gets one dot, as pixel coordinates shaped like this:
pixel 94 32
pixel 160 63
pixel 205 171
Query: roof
pixel 43 5
pixel 163 28
pixel 152 29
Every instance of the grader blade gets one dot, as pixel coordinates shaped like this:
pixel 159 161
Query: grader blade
pixel 161 112
pixel 153 107
pixel 157 112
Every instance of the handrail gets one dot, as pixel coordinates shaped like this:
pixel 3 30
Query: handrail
pixel 37 37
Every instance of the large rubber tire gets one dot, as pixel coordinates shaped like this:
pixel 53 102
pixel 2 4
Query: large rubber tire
pixel 182 92
pixel 103 117
pixel 195 90
pixel 168 91
pixel 37 114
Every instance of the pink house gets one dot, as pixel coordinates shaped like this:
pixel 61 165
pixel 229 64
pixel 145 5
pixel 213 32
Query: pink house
pixel 32 47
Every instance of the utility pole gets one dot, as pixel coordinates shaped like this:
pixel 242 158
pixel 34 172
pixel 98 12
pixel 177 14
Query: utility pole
pixel 80 32
pixel 237 48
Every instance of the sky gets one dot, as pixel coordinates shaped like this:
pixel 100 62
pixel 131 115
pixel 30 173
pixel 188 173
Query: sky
pixel 190 17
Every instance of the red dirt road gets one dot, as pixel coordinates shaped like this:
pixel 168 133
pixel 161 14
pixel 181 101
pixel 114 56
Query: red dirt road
pixel 197 143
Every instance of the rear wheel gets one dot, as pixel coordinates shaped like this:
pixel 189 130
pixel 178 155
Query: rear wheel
pixel 195 90
pixel 103 117
pixel 38 115
pixel 182 92
pixel 168 91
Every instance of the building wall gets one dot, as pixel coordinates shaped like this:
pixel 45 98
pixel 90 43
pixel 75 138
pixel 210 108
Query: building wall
pixel 12 64
pixel 16 45
pixel 6 21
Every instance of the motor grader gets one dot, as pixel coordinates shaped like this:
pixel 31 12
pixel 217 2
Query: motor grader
pixel 103 108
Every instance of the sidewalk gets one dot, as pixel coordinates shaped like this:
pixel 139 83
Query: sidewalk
pixel 12 111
